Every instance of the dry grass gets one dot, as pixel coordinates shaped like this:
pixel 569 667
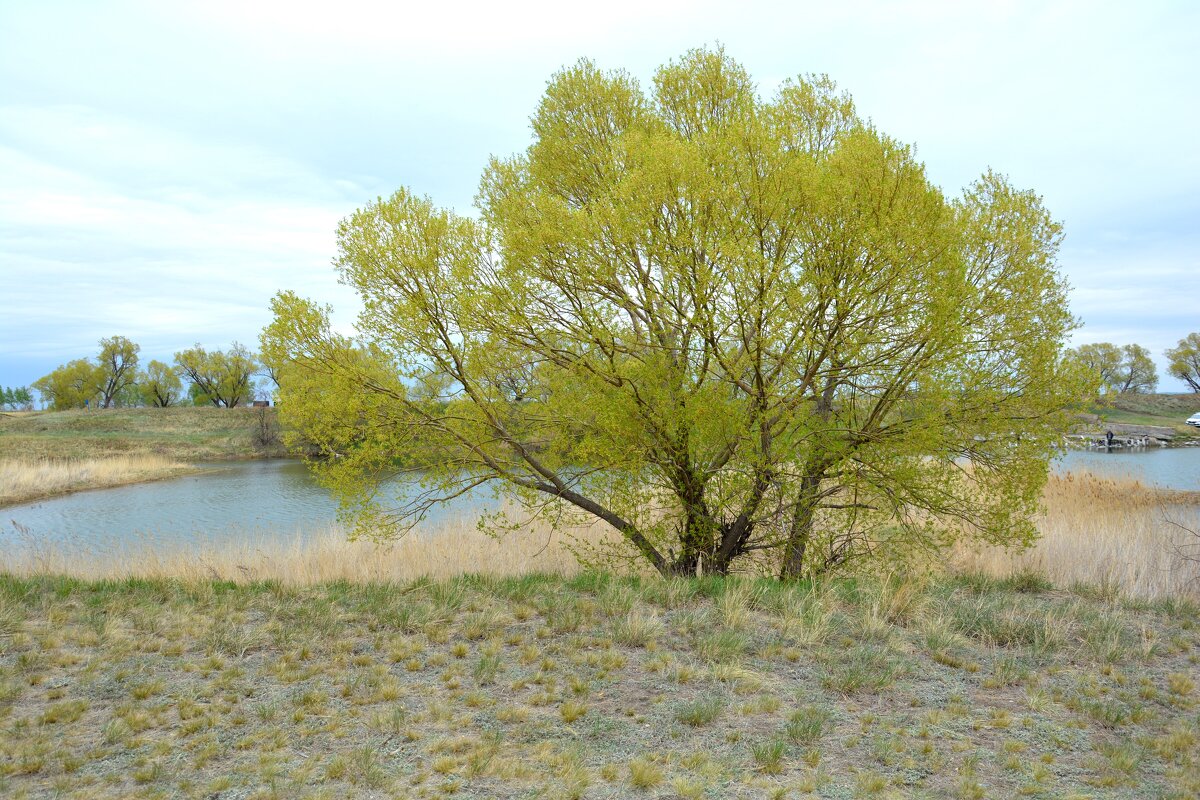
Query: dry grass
pixel 291 667
pixel 484 687
pixel 180 433
pixel 453 548
pixel 1120 534
pixel 25 480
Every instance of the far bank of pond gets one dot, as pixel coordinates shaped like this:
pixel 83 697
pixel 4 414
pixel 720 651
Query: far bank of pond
pixel 236 500
pixel 187 434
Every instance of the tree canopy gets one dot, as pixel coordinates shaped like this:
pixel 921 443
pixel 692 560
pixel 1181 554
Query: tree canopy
pixel 71 385
pixel 736 329
pixel 222 376
pixel 159 385
pixel 118 362
pixel 16 398
pixel 1119 370
pixel 108 380
pixel 1185 360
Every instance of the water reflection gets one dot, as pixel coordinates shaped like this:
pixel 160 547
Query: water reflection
pixel 233 500
pixel 1165 467
pixel 256 498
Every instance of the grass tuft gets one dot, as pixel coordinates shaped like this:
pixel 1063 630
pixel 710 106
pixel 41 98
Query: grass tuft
pixel 645 774
pixel 807 724
pixel 699 712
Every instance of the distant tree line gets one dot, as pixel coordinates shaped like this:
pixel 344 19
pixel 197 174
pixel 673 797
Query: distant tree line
pixel 1124 369
pixel 16 398
pixel 227 378
pixel 224 378
pixel 1128 369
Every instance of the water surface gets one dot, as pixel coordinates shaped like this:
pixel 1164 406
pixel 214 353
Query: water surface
pixel 241 499
pixel 226 501
pixel 1165 467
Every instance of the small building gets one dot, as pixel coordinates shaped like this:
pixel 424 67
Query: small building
pixel 261 404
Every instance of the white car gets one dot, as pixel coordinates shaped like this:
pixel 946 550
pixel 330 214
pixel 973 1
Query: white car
pixel 1194 419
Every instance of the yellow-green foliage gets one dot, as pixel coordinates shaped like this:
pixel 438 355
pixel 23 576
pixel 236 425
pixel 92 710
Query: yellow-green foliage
pixel 1185 360
pixel 71 385
pixel 224 377
pixel 729 326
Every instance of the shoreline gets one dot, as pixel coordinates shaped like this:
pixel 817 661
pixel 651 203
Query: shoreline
pixel 1126 535
pixel 171 471
pixel 179 469
pixel 112 475
pixel 45 455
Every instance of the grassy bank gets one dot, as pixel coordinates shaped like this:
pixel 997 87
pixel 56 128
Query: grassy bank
pixel 1168 410
pixel 180 434
pixel 594 686
pixel 22 481
pixel 43 454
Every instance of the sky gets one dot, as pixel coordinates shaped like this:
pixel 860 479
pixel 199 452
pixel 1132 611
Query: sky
pixel 165 168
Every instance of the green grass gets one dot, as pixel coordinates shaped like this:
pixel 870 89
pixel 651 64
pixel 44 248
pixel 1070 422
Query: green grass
pixel 700 712
pixel 1168 410
pixel 184 433
pixel 594 686
pixel 807 724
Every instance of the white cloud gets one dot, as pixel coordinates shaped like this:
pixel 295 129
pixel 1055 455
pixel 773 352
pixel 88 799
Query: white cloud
pixel 103 247
pixel 164 168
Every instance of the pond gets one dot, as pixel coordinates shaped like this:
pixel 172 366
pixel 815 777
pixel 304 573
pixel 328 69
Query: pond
pixel 225 501
pixel 238 499
pixel 1165 467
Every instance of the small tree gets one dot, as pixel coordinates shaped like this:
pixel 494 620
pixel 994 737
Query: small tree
pixel 222 376
pixel 117 363
pixel 266 432
pixel 160 385
pixel 72 385
pixel 729 327
pixel 1185 361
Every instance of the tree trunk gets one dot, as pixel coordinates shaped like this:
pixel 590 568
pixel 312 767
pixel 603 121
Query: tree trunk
pixel 695 540
pixel 800 535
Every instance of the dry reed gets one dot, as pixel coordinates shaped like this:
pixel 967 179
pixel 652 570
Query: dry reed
pixel 451 548
pixel 27 480
pixel 1138 540
pixel 1121 534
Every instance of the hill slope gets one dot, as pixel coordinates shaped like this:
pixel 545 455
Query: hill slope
pixel 1169 410
pixel 182 434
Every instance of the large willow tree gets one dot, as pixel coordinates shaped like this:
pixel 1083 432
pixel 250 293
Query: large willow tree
pixel 723 325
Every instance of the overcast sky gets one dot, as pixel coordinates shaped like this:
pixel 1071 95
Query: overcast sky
pixel 166 167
